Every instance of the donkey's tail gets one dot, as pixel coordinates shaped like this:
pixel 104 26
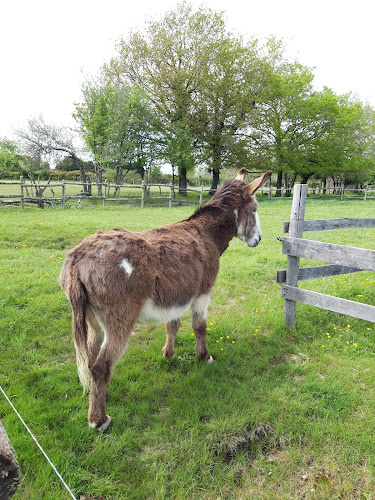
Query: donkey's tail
pixel 77 296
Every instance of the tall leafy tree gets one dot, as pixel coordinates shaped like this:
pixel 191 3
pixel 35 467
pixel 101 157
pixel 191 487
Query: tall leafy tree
pixel 197 77
pixel 233 84
pixel 302 132
pixel 117 126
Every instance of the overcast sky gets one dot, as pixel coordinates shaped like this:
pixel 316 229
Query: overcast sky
pixel 48 46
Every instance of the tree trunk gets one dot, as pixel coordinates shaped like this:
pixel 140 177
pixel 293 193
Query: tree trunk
pixel 215 181
pixel 88 190
pixel 99 180
pixel 324 182
pixel 279 184
pixel 182 181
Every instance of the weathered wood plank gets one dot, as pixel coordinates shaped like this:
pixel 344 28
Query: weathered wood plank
pixel 308 273
pixel 297 216
pixel 328 224
pixel 335 304
pixel 360 258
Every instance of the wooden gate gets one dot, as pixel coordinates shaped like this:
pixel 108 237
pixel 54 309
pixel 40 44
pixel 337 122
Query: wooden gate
pixel 342 260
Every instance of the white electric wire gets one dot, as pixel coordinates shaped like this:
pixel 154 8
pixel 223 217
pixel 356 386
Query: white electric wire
pixel 36 442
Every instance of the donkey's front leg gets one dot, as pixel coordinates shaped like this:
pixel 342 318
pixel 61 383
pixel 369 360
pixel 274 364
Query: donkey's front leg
pixel 199 310
pixel 171 329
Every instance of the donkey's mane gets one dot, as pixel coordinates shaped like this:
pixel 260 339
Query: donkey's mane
pixel 228 192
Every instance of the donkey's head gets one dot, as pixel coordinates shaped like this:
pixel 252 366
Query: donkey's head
pixel 247 220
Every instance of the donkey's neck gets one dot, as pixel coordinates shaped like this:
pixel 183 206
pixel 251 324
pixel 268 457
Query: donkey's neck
pixel 218 227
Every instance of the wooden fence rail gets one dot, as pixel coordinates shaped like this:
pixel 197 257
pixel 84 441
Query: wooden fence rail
pixel 342 260
pixel 145 196
pixel 34 193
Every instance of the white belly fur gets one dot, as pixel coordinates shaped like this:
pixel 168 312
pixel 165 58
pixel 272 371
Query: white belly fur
pixel 151 313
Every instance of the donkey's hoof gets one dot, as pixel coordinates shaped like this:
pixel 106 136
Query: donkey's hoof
pixel 167 354
pixel 102 427
pixel 210 360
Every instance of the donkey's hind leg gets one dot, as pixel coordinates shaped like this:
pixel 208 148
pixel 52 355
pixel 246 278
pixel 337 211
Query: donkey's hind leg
pixel 95 337
pixel 116 336
pixel 199 314
pixel 171 329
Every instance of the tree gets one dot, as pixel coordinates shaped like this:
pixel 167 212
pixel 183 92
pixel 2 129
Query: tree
pixel 233 84
pixel 117 126
pixel 187 64
pixel 40 140
pixel 300 131
pixel 10 157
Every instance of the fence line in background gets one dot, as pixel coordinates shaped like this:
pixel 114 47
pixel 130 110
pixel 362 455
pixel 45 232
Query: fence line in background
pixel 146 197
pixel 343 260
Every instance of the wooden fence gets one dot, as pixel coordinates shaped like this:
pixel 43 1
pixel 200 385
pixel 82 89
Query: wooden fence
pixel 36 193
pixel 44 193
pixel 342 260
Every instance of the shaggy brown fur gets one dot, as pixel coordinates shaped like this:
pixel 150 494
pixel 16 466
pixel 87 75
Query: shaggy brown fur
pixel 115 278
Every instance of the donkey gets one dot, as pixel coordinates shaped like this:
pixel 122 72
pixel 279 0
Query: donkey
pixel 117 277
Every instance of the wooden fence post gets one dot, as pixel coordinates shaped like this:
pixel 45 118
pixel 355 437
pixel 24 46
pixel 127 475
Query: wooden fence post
pixel 105 191
pixel 201 196
pixel 170 194
pixel 295 230
pixel 63 194
pixel 143 194
pixel 9 468
pixel 22 195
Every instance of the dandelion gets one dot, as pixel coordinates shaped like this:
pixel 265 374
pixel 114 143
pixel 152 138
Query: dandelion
pixel 227 336
pixel 233 341
pixel 348 326
pixel 355 345
pixel 221 349
pixel 192 334
pixel 211 324
pixel 323 345
pixel 348 342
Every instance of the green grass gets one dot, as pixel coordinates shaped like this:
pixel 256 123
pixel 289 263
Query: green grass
pixel 276 416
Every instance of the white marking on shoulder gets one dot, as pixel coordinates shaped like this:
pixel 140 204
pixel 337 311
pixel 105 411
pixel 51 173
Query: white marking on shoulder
pixel 151 313
pixel 127 267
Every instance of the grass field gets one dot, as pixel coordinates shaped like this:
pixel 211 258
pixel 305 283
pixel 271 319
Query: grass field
pixel 280 414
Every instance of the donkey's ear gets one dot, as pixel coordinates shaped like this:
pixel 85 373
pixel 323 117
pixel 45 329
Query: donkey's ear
pixel 258 183
pixel 241 175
